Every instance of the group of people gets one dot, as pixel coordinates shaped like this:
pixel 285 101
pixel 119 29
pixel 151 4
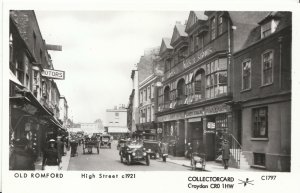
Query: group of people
pixel 23 158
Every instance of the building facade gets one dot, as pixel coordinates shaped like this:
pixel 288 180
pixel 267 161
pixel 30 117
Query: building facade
pixel 147 100
pixel 262 93
pixel 34 99
pixel 116 121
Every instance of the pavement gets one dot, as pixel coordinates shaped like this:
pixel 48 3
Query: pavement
pixel 211 166
pixel 65 161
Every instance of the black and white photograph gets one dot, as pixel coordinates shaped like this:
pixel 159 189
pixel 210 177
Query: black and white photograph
pixel 214 94
pixel 110 96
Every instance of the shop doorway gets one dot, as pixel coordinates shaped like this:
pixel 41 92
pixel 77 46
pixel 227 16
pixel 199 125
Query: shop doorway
pixel 196 136
pixel 210 146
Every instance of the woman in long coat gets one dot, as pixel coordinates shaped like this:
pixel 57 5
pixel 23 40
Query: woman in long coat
pixel 51 157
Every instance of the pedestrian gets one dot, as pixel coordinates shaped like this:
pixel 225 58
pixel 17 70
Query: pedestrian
pixel 225 153
pixel 22 157
pixel 51 157
pixel 60 145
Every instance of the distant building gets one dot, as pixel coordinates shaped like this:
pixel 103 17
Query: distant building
pixel 116 121
pixel 91 128
pixel 63 110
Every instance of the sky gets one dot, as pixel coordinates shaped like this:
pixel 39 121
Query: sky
pixel 99 50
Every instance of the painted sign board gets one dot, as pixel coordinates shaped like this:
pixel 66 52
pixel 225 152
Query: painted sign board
pixel 55 74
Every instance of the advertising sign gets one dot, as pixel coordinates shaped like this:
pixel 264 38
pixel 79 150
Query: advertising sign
pixel 55 74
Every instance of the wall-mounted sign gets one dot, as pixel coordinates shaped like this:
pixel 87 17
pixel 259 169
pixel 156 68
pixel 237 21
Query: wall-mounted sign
pixel 55 74
pixel 197 57
pixel 195 113
pixel 222 108
pixel 171 117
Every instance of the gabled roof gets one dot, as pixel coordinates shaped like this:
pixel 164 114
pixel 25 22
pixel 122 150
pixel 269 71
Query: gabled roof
pixel 165 45
pixel 247 26
pixel 245 22
pixel 179 31
pixel 194 17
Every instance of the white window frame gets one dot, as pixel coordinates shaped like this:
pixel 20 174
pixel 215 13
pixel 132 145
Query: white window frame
pixel 262 67
pixel 247 60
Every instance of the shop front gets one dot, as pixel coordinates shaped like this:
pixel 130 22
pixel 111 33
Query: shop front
pixel 29 119
pixel 206 129
pixel 173 132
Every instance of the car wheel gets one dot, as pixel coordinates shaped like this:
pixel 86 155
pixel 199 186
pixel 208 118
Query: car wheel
pixel 148 160
pixel 128 159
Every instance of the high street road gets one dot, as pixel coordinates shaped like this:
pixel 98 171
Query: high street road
pixel 109 160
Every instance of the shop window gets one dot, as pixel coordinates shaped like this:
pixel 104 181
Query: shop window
pixel 267 67
pixel 221 121
pixel 259 159
pixel 246 74
pixel 260 122
pixel 213 28
pixel 220 25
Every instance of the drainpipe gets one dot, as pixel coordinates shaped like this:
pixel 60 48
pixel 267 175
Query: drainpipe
pixel 280 57
pixel 229 91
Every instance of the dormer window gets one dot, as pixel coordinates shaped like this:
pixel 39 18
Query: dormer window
pixel 268 28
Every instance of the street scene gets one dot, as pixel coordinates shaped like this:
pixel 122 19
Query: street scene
pixel 198 91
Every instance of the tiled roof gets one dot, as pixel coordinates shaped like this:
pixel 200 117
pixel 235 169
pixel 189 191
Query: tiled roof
pixel 167 42
pixel 181 30
pixel 200 15
pixel 254 33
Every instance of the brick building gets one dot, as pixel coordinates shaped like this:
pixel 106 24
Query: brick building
pixel 262 93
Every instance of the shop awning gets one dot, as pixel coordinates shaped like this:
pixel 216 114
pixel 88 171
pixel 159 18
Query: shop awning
pixel 14 79
pixel 118 130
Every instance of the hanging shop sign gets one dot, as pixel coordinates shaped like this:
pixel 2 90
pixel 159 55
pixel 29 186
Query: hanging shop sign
pixel 195 113
pixel 214 109
pixel 55 74
pixel 171 117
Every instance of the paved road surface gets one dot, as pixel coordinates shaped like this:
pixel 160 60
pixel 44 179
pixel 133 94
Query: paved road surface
pixel 109 160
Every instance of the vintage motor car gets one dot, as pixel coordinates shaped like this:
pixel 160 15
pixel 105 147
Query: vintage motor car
pixel 154 147
pixel 134 152
pixel 105 141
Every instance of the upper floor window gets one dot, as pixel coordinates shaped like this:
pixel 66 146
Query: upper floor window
pixel 216 78
pixel 152 91
pixel 34 43
pixel 220 25
pixel 267 67
pixel 191 43
pixel 181 89
pixel 213 28
pixel 167 94
pixel 167 65
pixel 268 28
pixel 260 122
pixel 148 93
pixel 246 74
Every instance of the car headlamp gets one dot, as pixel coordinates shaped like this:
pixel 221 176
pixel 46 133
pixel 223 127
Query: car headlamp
pixel 133 153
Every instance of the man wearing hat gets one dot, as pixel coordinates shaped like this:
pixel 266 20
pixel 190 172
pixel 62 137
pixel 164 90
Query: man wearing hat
pixel 225 153
pixel 51 157
pixel 22 157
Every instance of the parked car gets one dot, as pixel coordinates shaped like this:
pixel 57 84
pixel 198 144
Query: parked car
pixel 134 152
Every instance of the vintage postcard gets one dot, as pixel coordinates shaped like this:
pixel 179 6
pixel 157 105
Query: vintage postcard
pixel 157 98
